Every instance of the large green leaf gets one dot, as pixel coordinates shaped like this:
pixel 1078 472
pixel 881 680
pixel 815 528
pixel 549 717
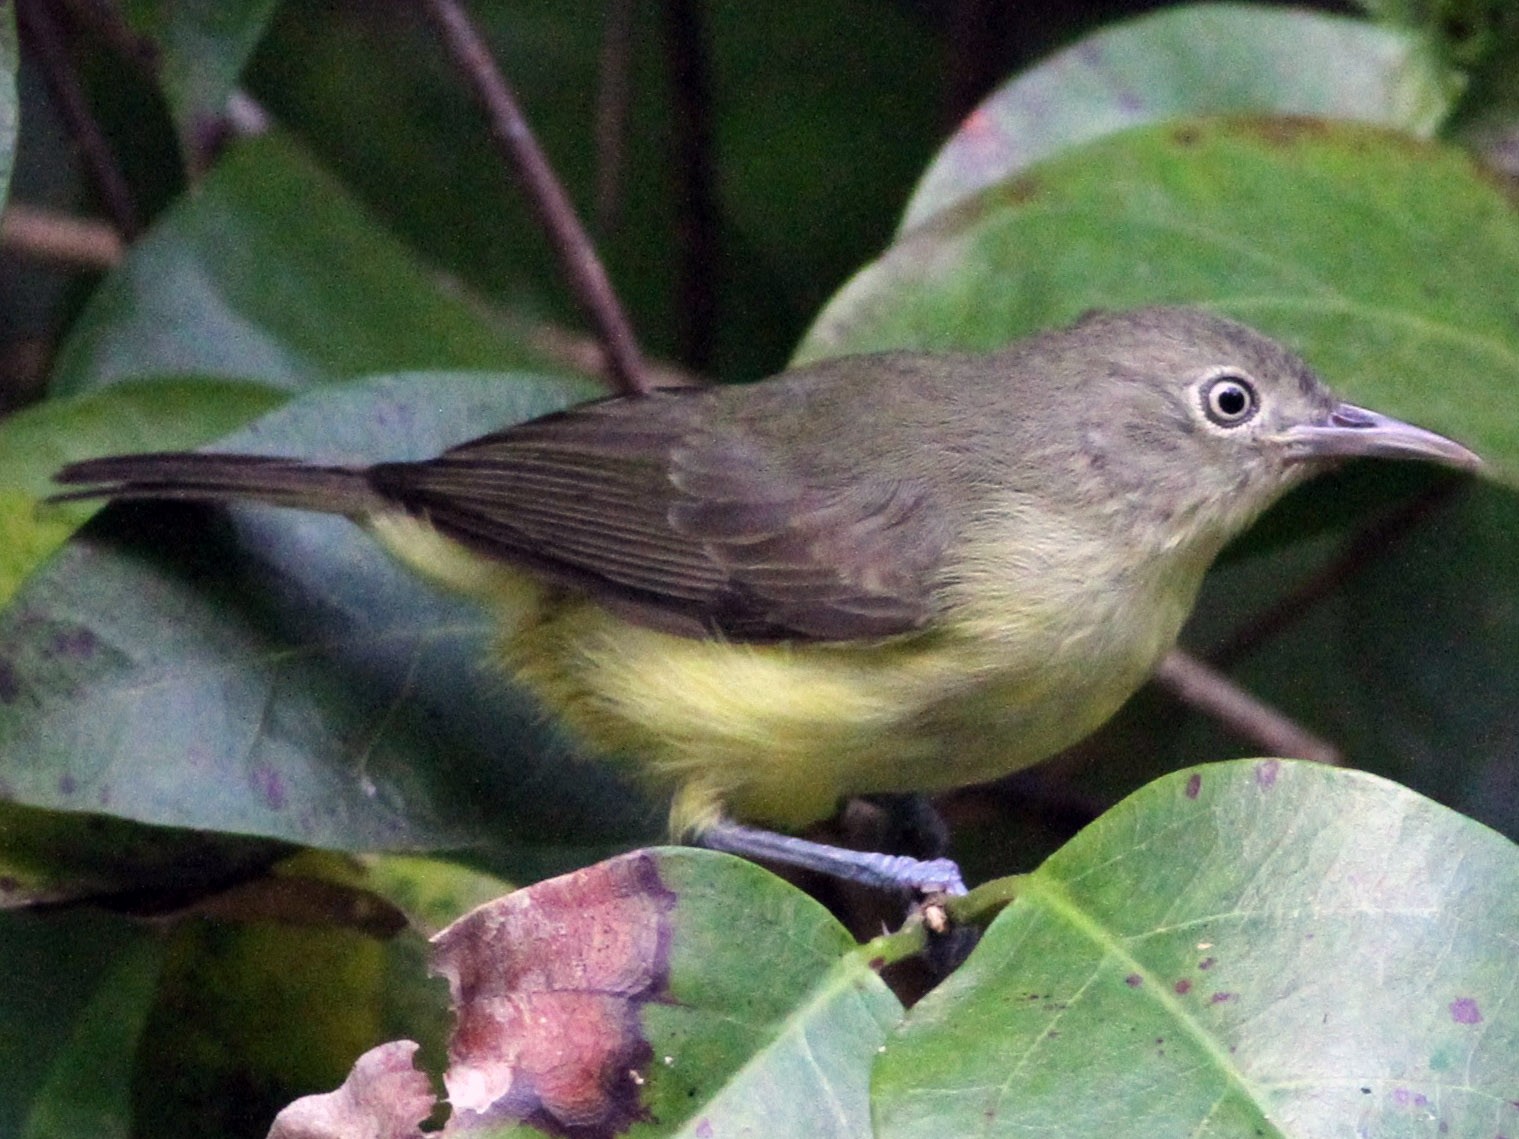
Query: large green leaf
pixel 274 673
pixel 1384 260
pixel 270 272
pixel 1255 948
pixel 1192 59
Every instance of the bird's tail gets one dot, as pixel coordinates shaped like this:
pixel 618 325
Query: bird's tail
pixel 205 477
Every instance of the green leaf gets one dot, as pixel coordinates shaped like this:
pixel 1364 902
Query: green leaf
pixel 1254 948
pixel 202 46
pixel 48 857
pixel 1384 260
pixel 150 415
pixel 268 271
pixel 1192 59
pixel 274 673
pixel 75 994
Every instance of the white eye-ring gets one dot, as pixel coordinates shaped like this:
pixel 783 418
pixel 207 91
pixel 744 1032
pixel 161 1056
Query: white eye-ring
pixel 1230 399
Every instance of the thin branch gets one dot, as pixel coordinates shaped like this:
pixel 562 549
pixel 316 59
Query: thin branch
pixel 696 227
pixel 43 36
pixel 1210 691
pixel 47 235
pixel 612 98
pixel 587 276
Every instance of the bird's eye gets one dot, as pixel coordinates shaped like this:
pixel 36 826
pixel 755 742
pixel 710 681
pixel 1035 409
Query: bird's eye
pixel 1230 400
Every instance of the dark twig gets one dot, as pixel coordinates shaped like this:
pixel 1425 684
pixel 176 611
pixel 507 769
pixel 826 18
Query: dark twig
pixel 1371 542
pixel 46 235
pixel 587 276
pixel 41 33
pixel 612 97
pixel 696 208
pixel 1200 686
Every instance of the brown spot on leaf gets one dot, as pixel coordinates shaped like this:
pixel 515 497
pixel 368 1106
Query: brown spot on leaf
pixel 548 985
pixel 1182 987
pixel 1133 980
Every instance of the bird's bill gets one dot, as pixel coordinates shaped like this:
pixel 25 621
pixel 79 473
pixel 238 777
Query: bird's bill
pixel 1354 432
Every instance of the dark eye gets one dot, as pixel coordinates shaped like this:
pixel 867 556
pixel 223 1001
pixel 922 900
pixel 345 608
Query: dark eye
pixel 1230 400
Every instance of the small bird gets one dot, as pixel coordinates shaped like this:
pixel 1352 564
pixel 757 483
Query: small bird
pixel 906 571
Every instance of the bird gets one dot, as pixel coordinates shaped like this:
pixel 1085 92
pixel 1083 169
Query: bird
pixel 904 571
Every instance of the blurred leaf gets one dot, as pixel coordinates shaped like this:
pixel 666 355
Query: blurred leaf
pixel 822 116
pixel 48 857
pixel 250 1015
pixel 74 994
pixel 1385 261
pixel 202 46
pixel 1193 59
pixel 148 415
pixel 274 673
pixel 1261 947
pixel 430 891
pixel 270 272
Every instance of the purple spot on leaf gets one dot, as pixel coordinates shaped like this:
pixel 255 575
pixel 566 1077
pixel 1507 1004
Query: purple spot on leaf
pixel 1265 773
pixel 1182 987
pixel 1221 998
pixel 1464 1011
pixel 1207 962
pixel 1194 785
pixel 704 1129
pixel 267 782
pixel 1133 980
pixel 8 885
pixel 77 643
pixel 67 784
pixel 10 687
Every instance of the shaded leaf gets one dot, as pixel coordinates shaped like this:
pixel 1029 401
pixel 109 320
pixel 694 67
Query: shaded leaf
pixel 1192 59
pixel 201 49
pixel 274 673
pixel 48 857
pixel 1260 947
pixel 270 272
pixel 74 995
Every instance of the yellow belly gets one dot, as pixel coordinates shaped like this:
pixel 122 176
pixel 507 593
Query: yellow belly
pixel 779 733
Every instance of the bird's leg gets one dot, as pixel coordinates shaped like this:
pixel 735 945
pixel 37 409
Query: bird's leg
pixel 883 871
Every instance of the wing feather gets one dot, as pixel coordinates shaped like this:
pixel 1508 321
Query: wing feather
pixel 687 520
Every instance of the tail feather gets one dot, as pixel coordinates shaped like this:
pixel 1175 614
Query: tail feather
pixel 214 478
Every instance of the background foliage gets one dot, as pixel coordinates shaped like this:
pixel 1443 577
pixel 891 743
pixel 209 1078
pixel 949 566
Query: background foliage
pixel 246 764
